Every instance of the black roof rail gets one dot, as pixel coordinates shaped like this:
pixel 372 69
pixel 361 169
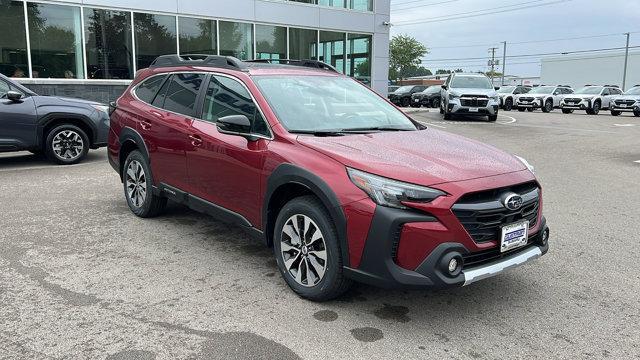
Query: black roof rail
pixel 613 86
pixel 636 85
pixel 305 63
pixel 198 60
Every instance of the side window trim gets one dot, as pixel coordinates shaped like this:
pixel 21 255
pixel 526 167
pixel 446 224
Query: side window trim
pixel 165 82
pixel 202 99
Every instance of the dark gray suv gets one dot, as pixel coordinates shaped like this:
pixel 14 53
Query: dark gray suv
pixel 63 129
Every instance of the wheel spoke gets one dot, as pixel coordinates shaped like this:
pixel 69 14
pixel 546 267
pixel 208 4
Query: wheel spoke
pixel 320 254
pixel 291 233
pixel 289 262
pixel 317 267
pixel 317 235
pixel 286 247
pixel 311 277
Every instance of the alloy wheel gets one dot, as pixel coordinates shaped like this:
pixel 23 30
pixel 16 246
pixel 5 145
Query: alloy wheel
pixel 67 145
pixel 136 181
pixel 303 250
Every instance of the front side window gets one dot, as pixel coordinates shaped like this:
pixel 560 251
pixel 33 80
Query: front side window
pixel 182 93
pixel 328 103
pixel 4 88
pixel 107 36
pixel 226 97
pixel 148 89
pixel 13 41
pixel 56 41
pixel 471 82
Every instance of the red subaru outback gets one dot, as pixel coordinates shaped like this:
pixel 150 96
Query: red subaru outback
pixel 338 181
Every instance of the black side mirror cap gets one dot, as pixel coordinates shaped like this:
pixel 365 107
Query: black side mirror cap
pixel 235 125
pixel 444 87
pixel 14 96
pixel 112 107
pixel 496 88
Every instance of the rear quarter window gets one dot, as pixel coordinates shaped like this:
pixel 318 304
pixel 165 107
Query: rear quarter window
pixel 148 89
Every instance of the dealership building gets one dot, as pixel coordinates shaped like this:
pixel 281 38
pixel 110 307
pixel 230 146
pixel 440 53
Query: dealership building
pixel 93 48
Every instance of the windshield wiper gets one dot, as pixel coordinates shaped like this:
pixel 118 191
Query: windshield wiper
pixel 318 132
pixel 376 128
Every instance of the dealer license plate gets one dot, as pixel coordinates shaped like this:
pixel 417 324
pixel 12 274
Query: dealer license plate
pixel 416 100
pixel 473 109
pixel 514 236
pixel 622 105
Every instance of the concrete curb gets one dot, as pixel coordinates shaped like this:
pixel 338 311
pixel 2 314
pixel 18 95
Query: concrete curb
pixel 418 110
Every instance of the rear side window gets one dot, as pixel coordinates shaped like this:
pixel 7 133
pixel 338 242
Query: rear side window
pixel 147 90
pixel 226 97
pixel 182 93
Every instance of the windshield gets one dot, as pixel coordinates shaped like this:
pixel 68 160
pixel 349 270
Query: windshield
pixel 471 82
pixel 542 90
pixel 404 89
pixel 593 90
pixel 633 91
pixel 432 90
pixel 506 89
pixel 328 103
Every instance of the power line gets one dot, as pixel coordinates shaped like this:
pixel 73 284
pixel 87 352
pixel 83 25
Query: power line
pixel 539 54
pixel 476 13
pixel 404 7
pixel 423 5
pixel 479 10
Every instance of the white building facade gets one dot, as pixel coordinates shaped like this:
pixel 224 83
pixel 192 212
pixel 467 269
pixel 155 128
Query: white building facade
pixel 596 69
pixel 75 43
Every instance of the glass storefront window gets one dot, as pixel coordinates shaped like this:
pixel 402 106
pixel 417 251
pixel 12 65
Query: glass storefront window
pixel 333 3
pixel 362 5
pixel 13 40
pixel 236 39
pixel 303 44
pixel 155 36
pixel 108 41
pixel 332 49
pixel 271 42
pixel 359 57
pixel 56 41
pixel 197 36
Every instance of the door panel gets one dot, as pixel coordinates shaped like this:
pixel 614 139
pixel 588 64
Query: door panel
pixel 18 124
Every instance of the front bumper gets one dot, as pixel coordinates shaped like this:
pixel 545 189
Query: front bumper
pixel 492 107
pixel 535 104
pixel 378 266
pixel 582 105
pixel 627 108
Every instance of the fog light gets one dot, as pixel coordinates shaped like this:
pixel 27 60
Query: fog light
pixel 453 265
pixel 545 236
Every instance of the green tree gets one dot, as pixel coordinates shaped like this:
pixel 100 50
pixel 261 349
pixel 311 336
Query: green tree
pixel 441 71
pixel 405 53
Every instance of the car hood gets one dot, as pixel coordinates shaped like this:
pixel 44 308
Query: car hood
pixel 399 93
pixel 55 100
pixel 580 96
pixel 425 157
pixel 471 91
pixel 627 97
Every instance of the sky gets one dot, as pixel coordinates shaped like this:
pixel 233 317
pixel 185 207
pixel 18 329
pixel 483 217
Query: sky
pixel 468 35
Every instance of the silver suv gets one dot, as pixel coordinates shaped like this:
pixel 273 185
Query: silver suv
pixel 469 94
pixel 544 97
pixel 590 98
pixel 629 101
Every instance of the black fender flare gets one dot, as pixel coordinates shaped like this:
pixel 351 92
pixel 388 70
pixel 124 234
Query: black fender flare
pixel 291 174
pixel 47 119
pixel 128 134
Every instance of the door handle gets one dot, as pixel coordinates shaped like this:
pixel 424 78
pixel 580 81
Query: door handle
pixel 145 125
pixel 195 140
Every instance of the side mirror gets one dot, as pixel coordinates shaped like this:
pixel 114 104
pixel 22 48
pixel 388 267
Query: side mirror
pixel 444 87
pixel 14 96
pixel 235 125
pixel 112 107
pixel 496 88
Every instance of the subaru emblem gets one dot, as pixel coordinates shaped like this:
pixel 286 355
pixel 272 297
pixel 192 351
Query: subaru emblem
pixel 513 202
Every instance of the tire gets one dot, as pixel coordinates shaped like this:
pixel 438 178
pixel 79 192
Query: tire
pixel 442 108
pixel 636 113
pixel 567 111
pixel 447 116
pixel 615 113
pixel 415 106
pixel 596 108
pixel 521 109
pixel 548 106
pixel 66 144
pixel 405 102
pixel 530 109
pixel 493 118
pixel 326 279
pixel 508 105
pixel 435 103
pixel 137 184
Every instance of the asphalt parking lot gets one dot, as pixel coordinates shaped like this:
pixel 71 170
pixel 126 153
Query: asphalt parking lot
pixel 81 277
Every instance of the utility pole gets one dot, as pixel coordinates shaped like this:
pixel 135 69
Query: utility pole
pixel 504 60
pixel 493 62
pixel 626 59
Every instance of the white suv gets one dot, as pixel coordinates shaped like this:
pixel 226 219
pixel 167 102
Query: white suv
pixel 629 101
pixel 469 94
pixel 544 97
pixel 590 98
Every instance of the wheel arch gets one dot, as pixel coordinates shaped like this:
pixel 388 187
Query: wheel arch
pixel 49 121
pixel 130 140
pixel 288 182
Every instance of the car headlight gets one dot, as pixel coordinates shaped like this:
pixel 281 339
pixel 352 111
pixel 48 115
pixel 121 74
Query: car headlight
pixel 495 98
pixel 453 96
pixel 588 98
pixel 539 97
pixel 103 108
pixel 391 193
pixel 526 163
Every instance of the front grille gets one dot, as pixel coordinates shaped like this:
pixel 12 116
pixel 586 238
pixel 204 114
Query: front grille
pixel 482 214
pixel 526 99
pixel 572 101
pixel 626 102
pixel 474 100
